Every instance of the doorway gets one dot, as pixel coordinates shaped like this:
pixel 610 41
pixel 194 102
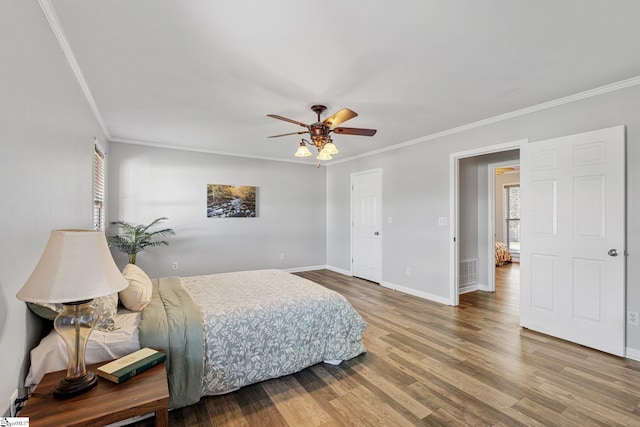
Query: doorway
pixel 366 225
pixel 503 228
pixel 478 247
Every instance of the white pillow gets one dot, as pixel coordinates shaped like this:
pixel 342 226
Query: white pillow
pixel 51 354
pixel 137 295
pixel 108 306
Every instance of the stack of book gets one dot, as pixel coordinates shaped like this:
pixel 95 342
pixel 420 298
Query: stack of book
pixel 131 365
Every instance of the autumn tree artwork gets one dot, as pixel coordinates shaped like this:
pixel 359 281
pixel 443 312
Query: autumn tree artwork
pixel 227 201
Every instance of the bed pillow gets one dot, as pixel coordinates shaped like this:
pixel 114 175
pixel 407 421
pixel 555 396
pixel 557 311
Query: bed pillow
pixel 137 295
pixel 108 305
pixel 51 354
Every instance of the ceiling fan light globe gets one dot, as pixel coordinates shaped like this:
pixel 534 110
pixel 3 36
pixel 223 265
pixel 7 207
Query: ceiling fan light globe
pixel 330 148
pixel 324 155
pixel 303 151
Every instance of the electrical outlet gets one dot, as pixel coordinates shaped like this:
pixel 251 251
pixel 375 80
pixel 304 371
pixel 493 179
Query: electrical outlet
pixel 407 271
pixel 12 402
pixel 632 318
pixel 175 265
pixel 282 256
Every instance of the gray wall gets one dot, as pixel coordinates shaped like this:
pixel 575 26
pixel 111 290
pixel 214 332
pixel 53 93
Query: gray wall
pixel 46 160
pixel 146 183
pixel 469 199
pixel 416 192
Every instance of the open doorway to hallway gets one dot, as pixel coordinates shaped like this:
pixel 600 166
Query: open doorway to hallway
pixel 483 223
pixel 504 218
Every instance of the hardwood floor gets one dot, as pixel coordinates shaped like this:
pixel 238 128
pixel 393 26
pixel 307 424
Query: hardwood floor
pixel 435 365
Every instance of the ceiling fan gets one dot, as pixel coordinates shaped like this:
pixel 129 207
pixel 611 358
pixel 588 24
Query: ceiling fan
pixel 320 130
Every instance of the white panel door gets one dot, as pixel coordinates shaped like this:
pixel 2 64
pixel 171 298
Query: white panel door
pixel 573 238
pixel 366 211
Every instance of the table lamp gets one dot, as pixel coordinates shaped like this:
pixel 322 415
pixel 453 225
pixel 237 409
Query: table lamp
pixel 75 267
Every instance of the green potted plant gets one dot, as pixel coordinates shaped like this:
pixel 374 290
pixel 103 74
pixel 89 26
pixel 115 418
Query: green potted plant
pixel 134 238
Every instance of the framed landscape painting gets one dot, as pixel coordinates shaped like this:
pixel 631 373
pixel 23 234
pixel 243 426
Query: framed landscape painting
pixel 229 201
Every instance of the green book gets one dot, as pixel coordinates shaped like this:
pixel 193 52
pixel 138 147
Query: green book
pixel 131 365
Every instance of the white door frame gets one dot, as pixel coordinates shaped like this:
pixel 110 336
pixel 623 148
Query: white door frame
pixel 377 170
pixel 454 190
pixel 491 231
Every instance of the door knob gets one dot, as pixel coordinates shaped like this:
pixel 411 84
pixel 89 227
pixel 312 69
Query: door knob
pixel 376 233
pixel 613 252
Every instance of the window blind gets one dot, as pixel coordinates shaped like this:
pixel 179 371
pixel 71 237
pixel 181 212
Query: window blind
pixel 98 188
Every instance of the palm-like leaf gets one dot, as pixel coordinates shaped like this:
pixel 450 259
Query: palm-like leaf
pixel 134 238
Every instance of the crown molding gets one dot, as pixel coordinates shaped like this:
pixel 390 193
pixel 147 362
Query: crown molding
pixel 633 81
pixel 54 23
pixel 201 150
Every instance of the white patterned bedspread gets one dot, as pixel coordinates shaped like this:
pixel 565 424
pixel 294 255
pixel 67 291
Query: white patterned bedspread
pixel 268 323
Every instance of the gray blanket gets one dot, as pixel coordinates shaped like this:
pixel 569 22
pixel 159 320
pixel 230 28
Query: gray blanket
pixel 224 331
pixel 268 323
pixel 173 323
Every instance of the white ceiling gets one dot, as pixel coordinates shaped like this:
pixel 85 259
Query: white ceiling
pixel 204 74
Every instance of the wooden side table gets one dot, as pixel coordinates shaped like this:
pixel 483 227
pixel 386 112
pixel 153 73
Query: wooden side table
pixel 106 403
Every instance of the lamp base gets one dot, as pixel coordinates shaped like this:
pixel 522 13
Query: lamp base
pixel 69 387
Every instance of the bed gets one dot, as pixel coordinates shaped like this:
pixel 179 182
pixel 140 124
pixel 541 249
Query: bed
pixel 503 256
pixel 224 331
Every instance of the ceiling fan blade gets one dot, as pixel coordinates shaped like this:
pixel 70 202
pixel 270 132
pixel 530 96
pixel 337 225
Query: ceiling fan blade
pixel 340 117
pixel 355 131
pixel 285 134
pixel 295 122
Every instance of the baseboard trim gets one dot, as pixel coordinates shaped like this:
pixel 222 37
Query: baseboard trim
pixel 468 288
pixel 632 353
pixel 318 267
pixel 339 270
pixel 483 287
pixel 308 268
pixel 416 293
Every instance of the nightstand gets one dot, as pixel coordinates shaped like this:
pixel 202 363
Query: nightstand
pixel 107 403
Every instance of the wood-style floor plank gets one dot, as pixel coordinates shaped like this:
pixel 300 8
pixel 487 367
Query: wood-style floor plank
pixel 434 365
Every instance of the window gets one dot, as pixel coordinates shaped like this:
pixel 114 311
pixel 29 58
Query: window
pixel 98 188
pixel 512 215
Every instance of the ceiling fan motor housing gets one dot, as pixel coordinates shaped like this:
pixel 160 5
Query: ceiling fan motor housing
pixel 318 129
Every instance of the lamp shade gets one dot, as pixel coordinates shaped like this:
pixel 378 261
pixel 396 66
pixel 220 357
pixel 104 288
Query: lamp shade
pixel 76 265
